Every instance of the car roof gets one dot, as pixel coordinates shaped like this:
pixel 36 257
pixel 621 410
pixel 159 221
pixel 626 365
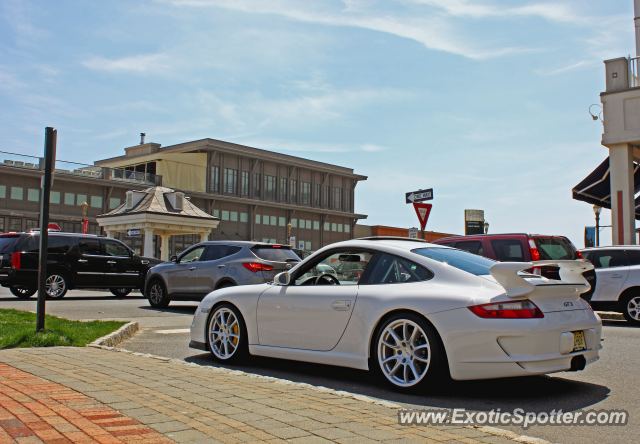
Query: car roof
pixel 467 236
pixel 612 247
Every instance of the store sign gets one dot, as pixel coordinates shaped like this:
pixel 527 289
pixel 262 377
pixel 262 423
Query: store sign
pixel 473 222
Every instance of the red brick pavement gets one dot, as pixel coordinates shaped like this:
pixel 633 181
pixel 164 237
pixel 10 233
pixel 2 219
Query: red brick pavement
pixel 33 410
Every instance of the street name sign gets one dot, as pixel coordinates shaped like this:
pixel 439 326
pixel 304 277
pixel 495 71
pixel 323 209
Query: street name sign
pixel 423 211
pixel 134 233
pixel 419 196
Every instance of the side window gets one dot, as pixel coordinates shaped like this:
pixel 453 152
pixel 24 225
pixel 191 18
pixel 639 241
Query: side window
pixel 508 250
pixel 215 252
pixel 633 257
pixel 192 255
pixel 59 244
pixel 90 246
pixel 389 269
pixel 345 266
pixel 474 247
pixel 608 258
pixel 113 248
pixel 232 250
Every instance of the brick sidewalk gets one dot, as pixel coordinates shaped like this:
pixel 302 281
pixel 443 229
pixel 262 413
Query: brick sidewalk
pixel 201 405
pixel 33 410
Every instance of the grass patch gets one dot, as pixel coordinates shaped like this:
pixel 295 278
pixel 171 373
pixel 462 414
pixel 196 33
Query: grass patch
pixel 18 329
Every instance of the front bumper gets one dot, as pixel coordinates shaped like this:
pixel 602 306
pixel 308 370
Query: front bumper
pixel 480 348
pixel 198 345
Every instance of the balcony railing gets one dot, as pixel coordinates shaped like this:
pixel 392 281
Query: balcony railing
pixel 19 160
pixel 78 169
pixel 133 176
pixel 634 82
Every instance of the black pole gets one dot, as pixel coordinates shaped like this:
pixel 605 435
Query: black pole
pixel 49 159
pixel 597 229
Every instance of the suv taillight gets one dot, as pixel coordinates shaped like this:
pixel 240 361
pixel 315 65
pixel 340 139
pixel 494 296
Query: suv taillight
pixel 15 260
pixel 524 309
pixel 535 254
pixel 255 267
pixel 579 254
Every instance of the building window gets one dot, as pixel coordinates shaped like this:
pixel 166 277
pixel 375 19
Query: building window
pixel 114 202
pixel 244 217
pixel 1 224
pixel 307 246
pixel 347 200
pixel 308 224
pixel 215 179
pixel 337 198
pixel 3 191
pixel 265 219
pixel 256 184
pixel 15 224
pixel 81 199
pixel 225 215
pixel 282 221
pixel 54 197
pixel 340 228
pixel 230 181
pixel 305 193
pixel 96 201
pixel 326 226
pixel 216 213
pixel 234 216
pixel 294 191
pixel 325 198
pixel 245 183
pixel 317 196
pixel 316 225
pixel 347 228
pixel 270 187
pixel 274 220
pixel 17 193
pixel 95 229
pixel 294 223
pixel 257 218
pixel 33 195
pixel 283 189
pixel 31 224
pixel 69 199
pixel 334 227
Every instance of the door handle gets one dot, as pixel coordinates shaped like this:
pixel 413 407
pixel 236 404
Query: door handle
pixel 144 262
pixel 616 276
pixel 221 266
pixel 341 305
pixel 111 262
pixel 82 260
pixel 192 268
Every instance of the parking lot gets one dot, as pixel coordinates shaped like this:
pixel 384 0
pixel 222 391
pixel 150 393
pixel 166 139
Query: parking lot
pixel 609 383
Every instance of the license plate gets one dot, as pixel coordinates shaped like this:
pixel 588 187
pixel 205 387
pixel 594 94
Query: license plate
pixel 578 341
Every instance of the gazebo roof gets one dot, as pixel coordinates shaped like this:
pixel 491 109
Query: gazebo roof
pixel 156 201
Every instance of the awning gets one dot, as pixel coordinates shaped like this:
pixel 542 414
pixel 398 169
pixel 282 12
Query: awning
pixel 596 187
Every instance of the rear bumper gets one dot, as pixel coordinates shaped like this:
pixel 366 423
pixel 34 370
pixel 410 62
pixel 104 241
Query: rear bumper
pixel 13 278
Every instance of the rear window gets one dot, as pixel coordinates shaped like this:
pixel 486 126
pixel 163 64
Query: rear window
pixel 462 260
pixel 275 254
pixel 555 248
pixel 508 250
pixel 7 243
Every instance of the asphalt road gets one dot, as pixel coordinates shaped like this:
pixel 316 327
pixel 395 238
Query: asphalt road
pixel 608 384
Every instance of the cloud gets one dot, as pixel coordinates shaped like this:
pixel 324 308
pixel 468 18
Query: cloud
pixel 137 63
pixel 372 148
pixel 569 67
pixel 292 145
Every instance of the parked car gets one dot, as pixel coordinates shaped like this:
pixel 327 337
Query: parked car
pixel 422 311
pixel 73 261
pixel 208 266
pixel 523 247
pixel 618 280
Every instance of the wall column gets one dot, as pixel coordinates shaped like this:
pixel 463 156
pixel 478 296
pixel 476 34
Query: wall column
pixel 164 247
pixel 204 236
pixel 148 242
pixel 622 194
pixel 109 233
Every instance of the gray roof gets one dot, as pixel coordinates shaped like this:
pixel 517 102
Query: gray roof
pixel 155 201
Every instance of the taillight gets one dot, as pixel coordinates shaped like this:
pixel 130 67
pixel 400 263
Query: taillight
pixel 255 267
pixel 507 310
pixel 15 260
pixel 535 254
pixel 579 254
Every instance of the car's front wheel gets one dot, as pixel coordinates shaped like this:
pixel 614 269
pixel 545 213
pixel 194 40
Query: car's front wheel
pixel 227 334
pixel 120 292
pixel 56 285
pixel 631 309
pixel 406 351
pixel 157 295
pixel 23 292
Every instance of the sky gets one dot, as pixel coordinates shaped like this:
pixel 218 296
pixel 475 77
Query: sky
pixel 485 101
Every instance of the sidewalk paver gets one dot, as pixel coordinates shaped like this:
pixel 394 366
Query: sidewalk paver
pixel 196 404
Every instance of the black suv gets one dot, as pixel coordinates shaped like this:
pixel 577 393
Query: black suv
pixel 74 261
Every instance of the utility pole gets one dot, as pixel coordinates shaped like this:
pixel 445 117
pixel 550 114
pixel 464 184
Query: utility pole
pixel 50 138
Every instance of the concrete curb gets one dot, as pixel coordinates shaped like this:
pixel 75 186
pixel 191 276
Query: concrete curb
pixel 610 315
pixel 116 337
pixel 490 430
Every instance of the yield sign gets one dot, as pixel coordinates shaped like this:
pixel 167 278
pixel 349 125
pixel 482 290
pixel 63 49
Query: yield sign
pixel 423 211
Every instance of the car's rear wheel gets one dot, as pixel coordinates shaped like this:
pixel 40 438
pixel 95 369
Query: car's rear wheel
pixel 631 309
pixel 56 285
pixel 407 351
pixel 227 334
pixel 157 295
pixel 23 292
pixel 120 292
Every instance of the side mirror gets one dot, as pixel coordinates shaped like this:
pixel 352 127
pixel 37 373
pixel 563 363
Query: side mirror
pixel 282 278
pixel 174 258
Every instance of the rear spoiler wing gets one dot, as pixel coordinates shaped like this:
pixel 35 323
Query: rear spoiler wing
pixel 506 273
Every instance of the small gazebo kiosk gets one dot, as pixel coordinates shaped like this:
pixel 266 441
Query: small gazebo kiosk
pixel 158 211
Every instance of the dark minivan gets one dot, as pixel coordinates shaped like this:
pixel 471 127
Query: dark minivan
pixel 73 261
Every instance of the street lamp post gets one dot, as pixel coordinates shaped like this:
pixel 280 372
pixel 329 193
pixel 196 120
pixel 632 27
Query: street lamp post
pixel 596 210
pixel 486 227
pixel 84 207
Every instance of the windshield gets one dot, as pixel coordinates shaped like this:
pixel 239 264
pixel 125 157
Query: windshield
pixel 7 243
pixel 462 260
pixel 555 248
pixel 275 254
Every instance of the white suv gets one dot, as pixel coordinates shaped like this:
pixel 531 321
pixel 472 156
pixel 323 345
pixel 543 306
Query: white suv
pixel 617 280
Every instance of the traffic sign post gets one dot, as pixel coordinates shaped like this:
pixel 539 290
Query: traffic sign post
pixel 419 196
pixel 423 211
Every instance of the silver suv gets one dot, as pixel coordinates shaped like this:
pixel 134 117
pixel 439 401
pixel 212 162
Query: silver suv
pixel 208 266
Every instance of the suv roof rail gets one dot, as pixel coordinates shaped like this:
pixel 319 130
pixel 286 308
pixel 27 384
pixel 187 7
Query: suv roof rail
pixel 397 238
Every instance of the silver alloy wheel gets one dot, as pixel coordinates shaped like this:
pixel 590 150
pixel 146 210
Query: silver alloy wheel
pixel 224 333
pixel 633 308
pixel 156 293
pixel 404 353
pixel 56 286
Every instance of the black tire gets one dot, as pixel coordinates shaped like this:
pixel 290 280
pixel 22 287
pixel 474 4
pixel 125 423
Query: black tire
pixel 23 292
pixel 120 292
pixel 157 294
pixel 57 285
pixel 240 351
pixel 630 308
pixel 226 284
pixel 426 346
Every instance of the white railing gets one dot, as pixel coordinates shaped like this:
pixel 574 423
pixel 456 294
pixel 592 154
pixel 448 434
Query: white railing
pixel 634 82
pixel 19 160
pixel 78 169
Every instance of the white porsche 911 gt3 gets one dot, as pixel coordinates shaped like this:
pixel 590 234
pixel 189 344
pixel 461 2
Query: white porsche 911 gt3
pixel 410 311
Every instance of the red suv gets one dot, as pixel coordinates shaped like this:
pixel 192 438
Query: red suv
pixel 522 247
